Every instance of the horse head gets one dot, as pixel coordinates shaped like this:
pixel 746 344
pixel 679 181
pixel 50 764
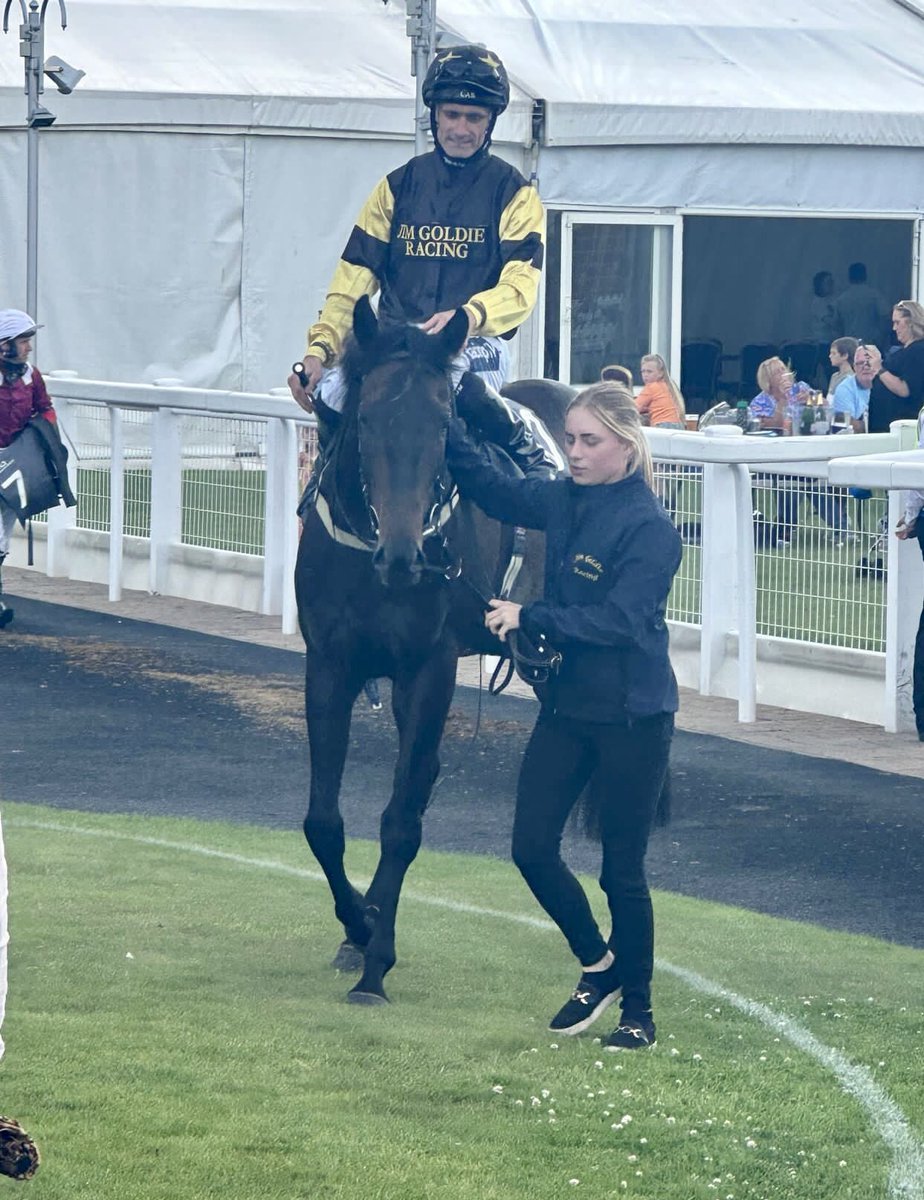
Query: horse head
pixel 404 403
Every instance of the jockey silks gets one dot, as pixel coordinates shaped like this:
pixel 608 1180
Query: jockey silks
pixel 434 237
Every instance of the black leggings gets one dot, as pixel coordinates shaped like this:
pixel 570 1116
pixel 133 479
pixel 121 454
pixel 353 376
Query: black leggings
pixel 628 767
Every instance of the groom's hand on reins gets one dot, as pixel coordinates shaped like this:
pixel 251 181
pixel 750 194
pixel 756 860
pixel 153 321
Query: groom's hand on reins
pixel 502 617
pixel 303 381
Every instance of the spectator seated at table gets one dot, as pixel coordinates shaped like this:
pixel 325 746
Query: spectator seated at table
pixel 851 396
pixel 778 406
pixel 780 394
pixel 840 357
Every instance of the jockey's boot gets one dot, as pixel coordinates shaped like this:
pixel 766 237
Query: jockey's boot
pixel 6 613
pixel 498 421
pixel 328 420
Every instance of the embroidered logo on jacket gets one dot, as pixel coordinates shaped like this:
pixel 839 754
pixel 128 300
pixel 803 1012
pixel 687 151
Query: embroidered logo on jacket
pixel 440 241
pixel 587 567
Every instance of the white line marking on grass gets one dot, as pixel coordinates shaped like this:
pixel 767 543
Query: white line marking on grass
pixel 906 1177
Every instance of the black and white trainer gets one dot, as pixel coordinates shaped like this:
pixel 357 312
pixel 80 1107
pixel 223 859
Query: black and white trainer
pixel 632 1033
pixel 595 992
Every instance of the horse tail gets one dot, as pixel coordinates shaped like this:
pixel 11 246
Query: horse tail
pixel 589 805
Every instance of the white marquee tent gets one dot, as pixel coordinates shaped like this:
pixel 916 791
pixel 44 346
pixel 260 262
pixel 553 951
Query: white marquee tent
pixel 197 187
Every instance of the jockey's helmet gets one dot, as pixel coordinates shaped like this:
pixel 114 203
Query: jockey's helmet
pixel 467 75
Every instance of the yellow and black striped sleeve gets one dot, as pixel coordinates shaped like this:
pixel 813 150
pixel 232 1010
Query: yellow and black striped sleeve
pixel 357 273
pixel 522 242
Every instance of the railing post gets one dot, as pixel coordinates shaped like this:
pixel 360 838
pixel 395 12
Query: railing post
pixel 116 502
pixel 60 518
pixel 273 524
pixel 719 563
pixel 903 611
pixel 291 528
pixel 166 495
pixel 747 596
pixel 280 536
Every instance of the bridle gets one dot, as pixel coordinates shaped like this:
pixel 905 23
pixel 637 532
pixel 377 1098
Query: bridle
pixel 446 498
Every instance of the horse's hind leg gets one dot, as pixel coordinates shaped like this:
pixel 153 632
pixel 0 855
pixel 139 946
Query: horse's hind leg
pixel 329 697
pixel 420 704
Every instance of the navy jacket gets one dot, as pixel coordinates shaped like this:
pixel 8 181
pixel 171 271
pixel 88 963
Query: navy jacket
pixel 611 556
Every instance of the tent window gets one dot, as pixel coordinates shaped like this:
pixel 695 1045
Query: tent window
pixel 613 302
pixel 748 282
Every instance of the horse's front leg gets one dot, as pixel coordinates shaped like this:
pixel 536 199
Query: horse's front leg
pixel 329 695
pixel 420 702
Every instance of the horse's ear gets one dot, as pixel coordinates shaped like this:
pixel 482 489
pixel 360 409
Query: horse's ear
pixel 452 337
pixel 365 323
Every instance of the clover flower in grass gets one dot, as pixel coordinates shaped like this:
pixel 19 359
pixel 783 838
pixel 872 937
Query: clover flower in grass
pixel 632 1158
pixel 498 1088
pixel 545 1093
pixel 574 1182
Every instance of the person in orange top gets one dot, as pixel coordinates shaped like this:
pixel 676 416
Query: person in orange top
pixel 660 401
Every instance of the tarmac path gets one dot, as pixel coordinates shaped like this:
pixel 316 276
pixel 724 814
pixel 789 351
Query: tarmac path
pixel 121 715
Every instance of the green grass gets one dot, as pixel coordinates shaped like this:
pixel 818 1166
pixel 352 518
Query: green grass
pixel 222 509
pixel 174 1030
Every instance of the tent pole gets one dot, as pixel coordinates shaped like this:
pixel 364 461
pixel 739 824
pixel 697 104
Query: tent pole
pixel 421 29
pixel 65 78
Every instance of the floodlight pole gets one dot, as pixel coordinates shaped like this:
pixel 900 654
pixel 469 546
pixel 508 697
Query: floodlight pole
pixel 421 29
pixel 32 49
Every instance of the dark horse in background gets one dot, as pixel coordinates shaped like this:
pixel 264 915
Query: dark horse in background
pixel 391 578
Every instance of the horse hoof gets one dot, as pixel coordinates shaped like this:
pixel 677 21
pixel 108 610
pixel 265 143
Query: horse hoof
pixel 349 957
pixel 370 999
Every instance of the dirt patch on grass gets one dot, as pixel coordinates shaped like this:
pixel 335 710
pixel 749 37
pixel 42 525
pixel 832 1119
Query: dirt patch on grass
pixel 275 701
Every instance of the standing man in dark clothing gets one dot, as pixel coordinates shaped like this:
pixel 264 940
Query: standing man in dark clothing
pixel 453 228
pixel 861 310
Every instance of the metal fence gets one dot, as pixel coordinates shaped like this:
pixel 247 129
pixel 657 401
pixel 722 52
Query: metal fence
pixel 771 549
pixel 821 557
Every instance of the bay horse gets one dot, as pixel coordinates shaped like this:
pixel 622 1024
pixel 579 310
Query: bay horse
pixel 391 582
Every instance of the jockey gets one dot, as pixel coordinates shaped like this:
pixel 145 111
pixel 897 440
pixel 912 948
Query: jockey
pixel 453 228
pixel 22 396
